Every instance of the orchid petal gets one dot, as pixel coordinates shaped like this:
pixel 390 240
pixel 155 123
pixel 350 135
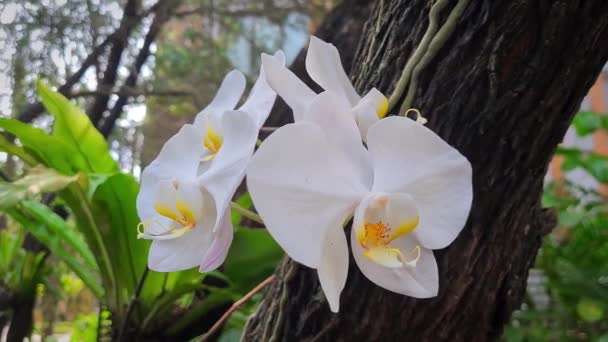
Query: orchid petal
pixel 262 97
pixel 372 107
pixel 226 171
pixel 334 266
pixel 334 116
pixel 301 187
pixel 216 254
pixel 420 281
pixel 325 68
pixel 296 93
pixel 182 253
pixel 227 96
pixel 410 158
pixel 176 160
pixel 189 201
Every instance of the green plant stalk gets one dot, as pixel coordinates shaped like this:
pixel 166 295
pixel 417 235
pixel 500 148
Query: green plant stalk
pixel 132 303
pixel 17 151
pixel 246 213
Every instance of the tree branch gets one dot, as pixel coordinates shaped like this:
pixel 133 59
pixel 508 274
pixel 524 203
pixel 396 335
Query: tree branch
pixel 163 14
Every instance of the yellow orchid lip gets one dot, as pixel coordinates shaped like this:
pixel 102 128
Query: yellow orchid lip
pixel 183 216
pixel 375 238
pixel 212 141
pixel 382 108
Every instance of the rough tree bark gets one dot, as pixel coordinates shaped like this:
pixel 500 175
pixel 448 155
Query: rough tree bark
pixel 502 90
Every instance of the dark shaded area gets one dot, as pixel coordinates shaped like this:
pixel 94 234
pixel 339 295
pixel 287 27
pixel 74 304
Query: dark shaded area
pixel 503 91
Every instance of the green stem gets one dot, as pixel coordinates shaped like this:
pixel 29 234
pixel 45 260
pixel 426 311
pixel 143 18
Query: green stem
pixel 246 212
pixel 132 303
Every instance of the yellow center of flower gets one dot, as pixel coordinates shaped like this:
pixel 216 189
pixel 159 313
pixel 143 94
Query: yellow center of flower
pixel 213 142
pixel 382 108
pixel 183 216
pixel 375 238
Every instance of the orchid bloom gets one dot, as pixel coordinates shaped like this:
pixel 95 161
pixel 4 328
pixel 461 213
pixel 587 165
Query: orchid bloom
pixel 325 68
pixel 408 192
pixel 186 192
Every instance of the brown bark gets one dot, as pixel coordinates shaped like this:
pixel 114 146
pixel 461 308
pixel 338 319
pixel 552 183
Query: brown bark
pixel 502 90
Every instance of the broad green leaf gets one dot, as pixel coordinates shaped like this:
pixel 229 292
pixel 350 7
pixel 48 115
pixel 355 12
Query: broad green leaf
pixel 56 245
pixel 74 127
pixel 57 226
pixel 37 181
pixel 253 257
pixel 49 150
pixel 113 208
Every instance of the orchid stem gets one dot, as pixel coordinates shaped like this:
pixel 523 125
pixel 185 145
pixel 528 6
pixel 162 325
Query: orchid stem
pixel 234 307
pixel 246 213
pixel 132 303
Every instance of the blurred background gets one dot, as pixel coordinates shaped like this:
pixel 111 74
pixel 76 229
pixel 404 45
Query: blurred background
pixel 140 69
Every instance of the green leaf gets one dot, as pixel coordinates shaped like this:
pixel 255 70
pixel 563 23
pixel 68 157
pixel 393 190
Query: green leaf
pixel 113 208
pixel 37 181
pixel 253 257
pixel 57 226
pixel 589 310
pixel 586 123
pixel 16 151
pixel 74 127
pixel 49 150
pixel 56 245
pixel 596 165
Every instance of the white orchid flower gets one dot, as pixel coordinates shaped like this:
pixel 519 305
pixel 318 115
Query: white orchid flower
pixel 173 207
pixel 409 191
pixel 186 191
pixel 325 68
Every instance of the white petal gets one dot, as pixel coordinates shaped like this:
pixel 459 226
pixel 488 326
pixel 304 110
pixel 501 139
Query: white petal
pixel 227 96
pixel 227 169
pixel 325 68
pixel 421 281
pixel 334 266
pixel 372 107
pixel 302 187
pixel 296 93
pixel 409 158
pixel 176 160
pixel 181 253
pixel 261 98
pixel 334 116
pixel 190 194
pixel 216 254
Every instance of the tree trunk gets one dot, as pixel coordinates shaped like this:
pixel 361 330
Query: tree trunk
pixel 502 90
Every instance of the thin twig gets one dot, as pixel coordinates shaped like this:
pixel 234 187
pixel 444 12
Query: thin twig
pixel 246 212
pixel 234 307
pixel 132 303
